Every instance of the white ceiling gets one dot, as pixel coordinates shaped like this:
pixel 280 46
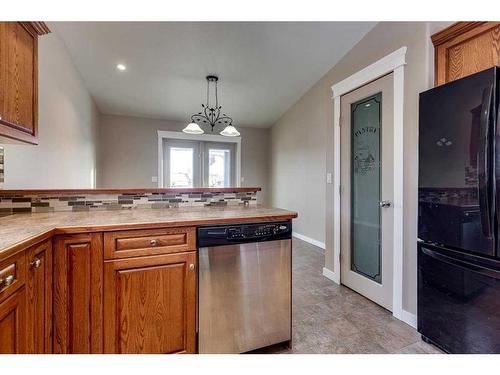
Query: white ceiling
pixel 263 67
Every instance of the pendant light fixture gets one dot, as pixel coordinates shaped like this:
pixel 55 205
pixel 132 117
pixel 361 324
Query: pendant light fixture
pixel 211 114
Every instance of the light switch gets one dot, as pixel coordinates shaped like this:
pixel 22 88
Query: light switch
pixel 154 179
pixel 328 178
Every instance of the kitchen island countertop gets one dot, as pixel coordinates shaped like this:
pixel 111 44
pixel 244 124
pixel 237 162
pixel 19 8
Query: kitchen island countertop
pixel 19 231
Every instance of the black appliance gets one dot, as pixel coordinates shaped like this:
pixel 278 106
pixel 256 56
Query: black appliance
pixel 459 215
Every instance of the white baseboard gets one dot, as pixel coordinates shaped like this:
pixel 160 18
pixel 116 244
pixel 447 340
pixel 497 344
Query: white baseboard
pixel 409 318
pixel 309 240
pixel 329 274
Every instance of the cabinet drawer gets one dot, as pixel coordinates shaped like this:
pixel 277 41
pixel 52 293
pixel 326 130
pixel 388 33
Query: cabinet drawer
pixel 134 243
pixel 12 275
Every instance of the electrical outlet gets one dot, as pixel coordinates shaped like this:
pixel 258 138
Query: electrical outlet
pixel 154 179
pixel 328 178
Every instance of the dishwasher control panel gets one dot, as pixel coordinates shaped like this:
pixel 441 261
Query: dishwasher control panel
pixel 240 233
pixel 256 231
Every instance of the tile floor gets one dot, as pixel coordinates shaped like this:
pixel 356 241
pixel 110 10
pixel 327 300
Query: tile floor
pixel 328 318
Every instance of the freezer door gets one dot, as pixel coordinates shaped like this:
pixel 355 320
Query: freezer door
pixel 458 300
pixel 456 203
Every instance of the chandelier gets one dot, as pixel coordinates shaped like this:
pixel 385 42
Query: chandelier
pixel 211 114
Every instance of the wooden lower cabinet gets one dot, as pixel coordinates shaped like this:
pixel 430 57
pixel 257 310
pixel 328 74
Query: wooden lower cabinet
pixel 39 298
pixel 150 304
pixel 13 323
pixel 77 294
pixel 63 297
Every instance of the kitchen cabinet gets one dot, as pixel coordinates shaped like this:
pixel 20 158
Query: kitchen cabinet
pixel 13 328
pixel 77 294
pixel 13 323
pixel 39 298
pixel 19 80
pixel 150 304
pixel 465 48
pixel 133 243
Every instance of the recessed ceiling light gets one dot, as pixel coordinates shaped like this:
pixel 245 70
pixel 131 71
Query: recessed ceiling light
pixel 121 67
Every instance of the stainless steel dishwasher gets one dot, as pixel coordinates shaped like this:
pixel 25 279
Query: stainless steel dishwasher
pixel 244 286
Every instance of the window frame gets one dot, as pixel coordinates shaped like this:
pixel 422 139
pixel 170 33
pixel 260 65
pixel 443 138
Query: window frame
pixel 174 136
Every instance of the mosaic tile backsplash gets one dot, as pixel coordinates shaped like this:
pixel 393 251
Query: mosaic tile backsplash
pixel 99 202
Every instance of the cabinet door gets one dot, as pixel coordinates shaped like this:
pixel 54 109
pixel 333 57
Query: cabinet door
pixel 13 323
pixel 465 48
pixel 150 304
pixel 18 79
pixel 78 272
pixel 39 297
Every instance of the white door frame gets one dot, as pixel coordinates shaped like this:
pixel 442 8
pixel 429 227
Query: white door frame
pixel 392 63
pixel 162 134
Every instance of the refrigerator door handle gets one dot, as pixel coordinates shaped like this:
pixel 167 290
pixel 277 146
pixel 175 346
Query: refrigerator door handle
pixel 485 192
pixel 488 272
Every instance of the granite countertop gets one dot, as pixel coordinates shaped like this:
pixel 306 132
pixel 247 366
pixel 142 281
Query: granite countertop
pixel 21 230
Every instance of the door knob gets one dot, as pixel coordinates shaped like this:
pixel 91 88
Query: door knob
pixel 191 267
pixel 384 204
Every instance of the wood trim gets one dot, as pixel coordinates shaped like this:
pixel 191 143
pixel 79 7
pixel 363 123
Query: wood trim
pixel 7 193
pixel 9 131
pixel 39 27
pixel 453 31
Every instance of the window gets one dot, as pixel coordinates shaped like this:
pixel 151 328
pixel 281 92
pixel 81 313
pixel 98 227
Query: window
pixel 181 167
pixel 198 164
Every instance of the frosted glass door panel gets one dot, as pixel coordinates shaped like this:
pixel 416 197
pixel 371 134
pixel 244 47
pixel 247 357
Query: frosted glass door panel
pixel 366 187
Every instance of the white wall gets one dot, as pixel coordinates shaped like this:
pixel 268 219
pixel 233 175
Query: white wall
pixel 67 119
pixel 128 153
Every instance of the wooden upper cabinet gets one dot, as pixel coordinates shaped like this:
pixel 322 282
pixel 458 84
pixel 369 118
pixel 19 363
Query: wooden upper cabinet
pixel 39 298
pixel 77 294
pixel 465 48
pixel 150 304
pixel 19 80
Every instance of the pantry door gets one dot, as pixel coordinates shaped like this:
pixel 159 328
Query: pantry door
pixel 367 180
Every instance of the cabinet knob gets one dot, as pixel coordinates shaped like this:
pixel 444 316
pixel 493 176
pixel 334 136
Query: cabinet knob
pixel 7 281
pixel 153 242
pixel 36 263
pixel 191 267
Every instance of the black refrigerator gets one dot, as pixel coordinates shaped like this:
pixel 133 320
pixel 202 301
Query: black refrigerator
pixel 458 258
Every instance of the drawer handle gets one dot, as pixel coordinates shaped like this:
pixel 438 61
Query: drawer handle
pixel 153 242
pixel 7 281
pixel 36 263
